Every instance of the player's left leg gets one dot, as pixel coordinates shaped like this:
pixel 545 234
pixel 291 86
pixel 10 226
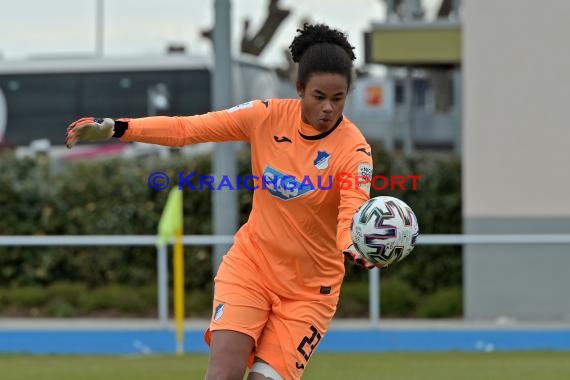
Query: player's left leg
pixel 291 336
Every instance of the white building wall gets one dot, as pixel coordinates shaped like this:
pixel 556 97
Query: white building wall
pixel 516 156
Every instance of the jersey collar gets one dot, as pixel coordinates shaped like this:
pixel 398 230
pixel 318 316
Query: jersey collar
pixel 324 134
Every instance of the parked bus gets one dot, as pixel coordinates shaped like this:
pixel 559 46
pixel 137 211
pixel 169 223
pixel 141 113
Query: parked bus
pixel 38 98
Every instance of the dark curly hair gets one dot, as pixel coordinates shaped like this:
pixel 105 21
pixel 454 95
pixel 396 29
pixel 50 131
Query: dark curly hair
pixel 320 49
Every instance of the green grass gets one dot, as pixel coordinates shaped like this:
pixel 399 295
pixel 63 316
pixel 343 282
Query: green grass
pixel 393 366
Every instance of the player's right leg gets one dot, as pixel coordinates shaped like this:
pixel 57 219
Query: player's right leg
pixel 240 311
pixel 229 355
pixel 263 371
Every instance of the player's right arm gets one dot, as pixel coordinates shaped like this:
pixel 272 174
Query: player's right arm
pixel 234 124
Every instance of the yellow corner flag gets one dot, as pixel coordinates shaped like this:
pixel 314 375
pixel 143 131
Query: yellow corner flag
pixel 170 226
pixel 171 218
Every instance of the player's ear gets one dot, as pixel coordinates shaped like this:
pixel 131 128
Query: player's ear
pixel 300 89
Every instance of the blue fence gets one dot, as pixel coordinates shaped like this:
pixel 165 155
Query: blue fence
pixel 144 341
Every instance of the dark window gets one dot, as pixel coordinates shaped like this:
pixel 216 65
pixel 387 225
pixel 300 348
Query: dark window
pixel 42 105
pixel 38 106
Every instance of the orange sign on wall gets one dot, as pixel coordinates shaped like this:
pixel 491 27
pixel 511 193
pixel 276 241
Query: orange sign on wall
pixel 374 95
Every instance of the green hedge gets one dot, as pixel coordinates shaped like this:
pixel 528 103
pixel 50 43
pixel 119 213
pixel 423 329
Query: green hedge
pixel 437 205
pixel 112 197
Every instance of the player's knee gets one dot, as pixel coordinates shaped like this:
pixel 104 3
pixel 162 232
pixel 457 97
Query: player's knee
pixel 225 373
pixel 263 371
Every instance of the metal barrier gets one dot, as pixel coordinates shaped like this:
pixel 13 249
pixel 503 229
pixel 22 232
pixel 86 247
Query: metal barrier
pixel 210 240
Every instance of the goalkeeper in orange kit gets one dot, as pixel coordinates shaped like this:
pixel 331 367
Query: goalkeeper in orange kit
pixel 277 288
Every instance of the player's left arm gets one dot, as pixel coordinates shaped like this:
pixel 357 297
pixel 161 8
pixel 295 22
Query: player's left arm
pixel 354 185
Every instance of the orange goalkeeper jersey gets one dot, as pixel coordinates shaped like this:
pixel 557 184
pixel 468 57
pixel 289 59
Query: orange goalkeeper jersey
pixel 308 187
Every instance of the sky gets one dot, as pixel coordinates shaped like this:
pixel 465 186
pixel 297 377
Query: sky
pixel 36 28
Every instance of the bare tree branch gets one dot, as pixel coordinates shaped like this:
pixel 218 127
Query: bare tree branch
pixel 256 44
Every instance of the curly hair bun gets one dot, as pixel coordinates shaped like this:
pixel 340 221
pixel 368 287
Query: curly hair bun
pixel 315 34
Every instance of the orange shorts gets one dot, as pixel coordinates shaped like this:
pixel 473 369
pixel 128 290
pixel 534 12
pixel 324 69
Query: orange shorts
pixel 286 331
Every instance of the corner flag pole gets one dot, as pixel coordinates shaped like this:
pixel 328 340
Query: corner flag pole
pixel 170 226
pixel 179 290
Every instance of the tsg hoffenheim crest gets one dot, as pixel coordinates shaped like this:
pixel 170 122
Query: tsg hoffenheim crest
pixel 322 160
pixel 219 312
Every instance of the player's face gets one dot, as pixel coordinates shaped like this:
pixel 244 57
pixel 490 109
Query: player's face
pixel 322 100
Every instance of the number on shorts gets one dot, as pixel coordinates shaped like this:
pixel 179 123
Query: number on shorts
pixel 310 341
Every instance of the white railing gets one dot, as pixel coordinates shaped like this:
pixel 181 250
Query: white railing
pixel 208 240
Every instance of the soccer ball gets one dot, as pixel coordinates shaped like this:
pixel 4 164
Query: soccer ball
pixel 384 230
